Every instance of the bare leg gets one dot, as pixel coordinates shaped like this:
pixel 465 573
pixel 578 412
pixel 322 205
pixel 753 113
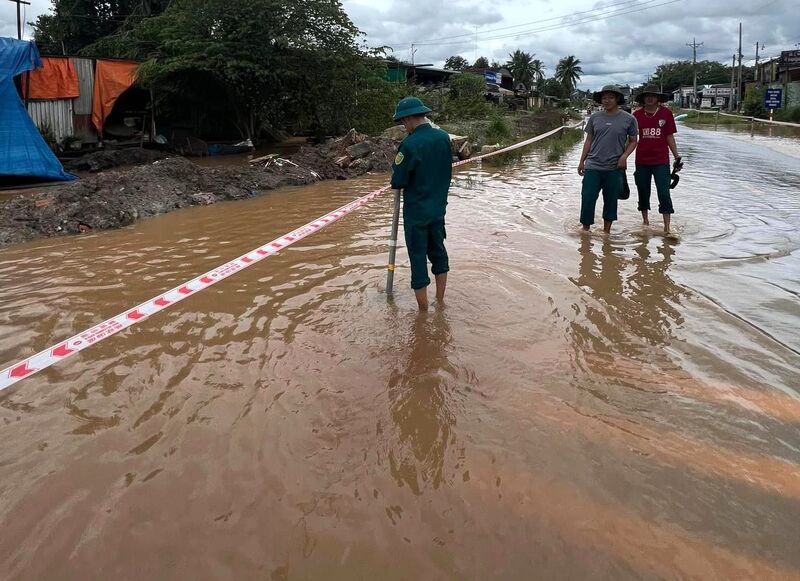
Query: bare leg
pixel 585 227
pixel 441 285
pixel 607 226
pixel 645 220
pixel 666 223
pixel 421 295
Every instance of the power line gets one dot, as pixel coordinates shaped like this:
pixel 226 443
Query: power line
pixel 585 20
pixel 623 2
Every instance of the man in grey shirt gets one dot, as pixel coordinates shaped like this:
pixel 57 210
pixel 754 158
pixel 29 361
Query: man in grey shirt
pixel 611 137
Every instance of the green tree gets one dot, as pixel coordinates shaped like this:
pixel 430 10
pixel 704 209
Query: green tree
pixel 466 96
pixel 481 62
pixel 568 73
pixel 456 63
pixel 262 64
pixel 553 87
pixel 75 24
pixel 753 103
pixel 672 75
pixel 520 64
pixel 537 67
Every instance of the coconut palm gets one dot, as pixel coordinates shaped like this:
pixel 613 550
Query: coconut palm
pixel 521 66
pixel 568 72
pixel 537 67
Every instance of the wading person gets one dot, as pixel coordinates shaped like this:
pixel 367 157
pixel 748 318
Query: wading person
pixel 423 169
pixel 611 136
pixel 656 139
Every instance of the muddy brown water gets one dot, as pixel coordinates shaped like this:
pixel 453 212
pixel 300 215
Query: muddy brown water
pixel 582 408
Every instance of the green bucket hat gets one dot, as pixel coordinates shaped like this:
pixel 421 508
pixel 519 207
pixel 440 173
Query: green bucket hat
pixel 598 95
pixel 652 90
pixel 410 106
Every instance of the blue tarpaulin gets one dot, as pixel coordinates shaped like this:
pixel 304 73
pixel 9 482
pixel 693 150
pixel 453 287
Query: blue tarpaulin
pixel 23 151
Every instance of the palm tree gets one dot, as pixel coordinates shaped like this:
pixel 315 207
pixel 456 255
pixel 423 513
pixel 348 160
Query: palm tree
pixel 537 67
pixel 568 72
pixel 521 66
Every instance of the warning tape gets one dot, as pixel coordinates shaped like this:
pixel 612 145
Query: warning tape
pixel 44 359
pixel 785 123
pixel 747 118
pixel 510 147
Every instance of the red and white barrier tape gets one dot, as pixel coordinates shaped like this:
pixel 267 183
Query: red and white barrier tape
pixel 510 147
pixel 748 118
pixel 44 359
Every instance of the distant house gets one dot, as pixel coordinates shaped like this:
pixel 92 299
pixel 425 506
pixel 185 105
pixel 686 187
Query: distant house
pixel 497 77
pixel 782 72
pixel 403 72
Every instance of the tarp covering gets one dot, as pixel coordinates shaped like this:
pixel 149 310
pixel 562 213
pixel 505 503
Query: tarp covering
pixel 23 152
pixel 57 79
pixel 111 79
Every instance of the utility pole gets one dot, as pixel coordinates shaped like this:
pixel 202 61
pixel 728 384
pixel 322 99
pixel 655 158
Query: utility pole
pixel 413 68
pixel 694 46
pixel 762 48
pixel 739 84
pixel 733 72
pixel 756 61
pixel 19 3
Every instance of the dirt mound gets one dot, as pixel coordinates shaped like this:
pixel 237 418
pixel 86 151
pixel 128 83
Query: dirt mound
pixel 112 199
pixel 118 198
pixel 100 160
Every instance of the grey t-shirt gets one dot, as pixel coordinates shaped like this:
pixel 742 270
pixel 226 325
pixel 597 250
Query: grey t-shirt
pixel 609 133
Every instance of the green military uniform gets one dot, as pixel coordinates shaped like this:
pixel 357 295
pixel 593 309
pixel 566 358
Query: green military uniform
pixel 423 169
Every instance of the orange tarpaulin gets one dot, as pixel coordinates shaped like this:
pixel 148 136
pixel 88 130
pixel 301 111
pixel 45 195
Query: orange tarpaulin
pixel 111 79
pixel 56 79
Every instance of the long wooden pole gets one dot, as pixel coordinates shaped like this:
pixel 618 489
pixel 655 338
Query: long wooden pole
pixel 393 243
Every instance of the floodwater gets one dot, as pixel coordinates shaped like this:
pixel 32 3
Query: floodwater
pixel 584 407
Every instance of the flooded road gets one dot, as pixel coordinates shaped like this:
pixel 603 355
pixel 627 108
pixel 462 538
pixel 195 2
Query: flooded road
pixel 583 408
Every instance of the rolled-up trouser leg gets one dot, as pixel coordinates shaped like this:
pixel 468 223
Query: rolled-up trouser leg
pixel 437 253
pixel 590 190
pixel 417 245
pixel 661 175
pixel 612 187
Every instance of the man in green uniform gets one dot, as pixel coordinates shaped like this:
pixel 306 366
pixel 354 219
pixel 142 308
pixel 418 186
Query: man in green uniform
pixel 423 169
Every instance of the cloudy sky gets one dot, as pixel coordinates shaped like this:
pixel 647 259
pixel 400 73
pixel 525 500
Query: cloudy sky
pixel 617 41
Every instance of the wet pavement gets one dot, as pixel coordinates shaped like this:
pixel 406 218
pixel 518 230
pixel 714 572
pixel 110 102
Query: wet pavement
pixel 584 407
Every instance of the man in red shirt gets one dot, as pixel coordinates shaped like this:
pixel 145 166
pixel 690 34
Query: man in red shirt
pixel 656 136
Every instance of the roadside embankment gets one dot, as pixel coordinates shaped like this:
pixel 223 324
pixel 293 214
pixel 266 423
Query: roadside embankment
pixel 115 198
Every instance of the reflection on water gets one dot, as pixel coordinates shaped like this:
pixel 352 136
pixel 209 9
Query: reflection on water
pixel 420 395
pixel 585 407
pixel 635 294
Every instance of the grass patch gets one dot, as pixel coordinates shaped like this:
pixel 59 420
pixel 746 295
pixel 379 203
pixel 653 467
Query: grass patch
pixel 562 143
pixel 694 118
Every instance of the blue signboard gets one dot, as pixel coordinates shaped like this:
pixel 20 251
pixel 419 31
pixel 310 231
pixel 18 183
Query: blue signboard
pixel 491 77
pixel 773 98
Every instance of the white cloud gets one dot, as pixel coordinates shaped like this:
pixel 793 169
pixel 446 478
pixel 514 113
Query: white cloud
pixel 625 48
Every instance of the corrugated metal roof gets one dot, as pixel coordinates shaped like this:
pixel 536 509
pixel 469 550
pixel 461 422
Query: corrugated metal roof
pixel 85 69
pixel 55 114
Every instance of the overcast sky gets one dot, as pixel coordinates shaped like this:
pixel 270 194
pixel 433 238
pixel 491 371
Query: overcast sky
pixel 616 41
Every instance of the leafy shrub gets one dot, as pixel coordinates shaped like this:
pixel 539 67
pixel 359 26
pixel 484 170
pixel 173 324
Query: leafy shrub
pixel 499 130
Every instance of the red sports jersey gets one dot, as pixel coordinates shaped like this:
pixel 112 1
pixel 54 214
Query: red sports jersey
pixel 653 131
